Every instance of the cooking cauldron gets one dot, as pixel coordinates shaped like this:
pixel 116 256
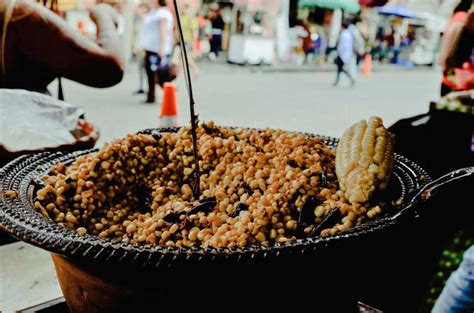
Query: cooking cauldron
pixel 328 273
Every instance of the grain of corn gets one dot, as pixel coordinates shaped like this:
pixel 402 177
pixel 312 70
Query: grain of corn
pixel 11 193
pixel 81 231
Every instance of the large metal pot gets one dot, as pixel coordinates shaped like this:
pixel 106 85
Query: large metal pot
pixel 99 275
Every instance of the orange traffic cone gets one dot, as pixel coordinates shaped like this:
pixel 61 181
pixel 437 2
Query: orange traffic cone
pixel 367 68
pixel 169 106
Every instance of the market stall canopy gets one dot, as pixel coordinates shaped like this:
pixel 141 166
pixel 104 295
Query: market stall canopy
pixel 399 10
pixel 372 3
pixel 350 6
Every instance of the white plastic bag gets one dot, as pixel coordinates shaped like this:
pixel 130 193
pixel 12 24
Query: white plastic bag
pixel 30 120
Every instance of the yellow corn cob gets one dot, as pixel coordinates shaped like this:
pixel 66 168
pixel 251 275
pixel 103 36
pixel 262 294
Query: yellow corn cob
pixel 364 159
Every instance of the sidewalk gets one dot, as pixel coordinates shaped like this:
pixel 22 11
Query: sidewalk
pixel 304 68
pixel 308 68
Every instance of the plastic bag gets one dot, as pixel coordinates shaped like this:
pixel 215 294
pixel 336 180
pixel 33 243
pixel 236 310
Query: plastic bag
pixel 30 120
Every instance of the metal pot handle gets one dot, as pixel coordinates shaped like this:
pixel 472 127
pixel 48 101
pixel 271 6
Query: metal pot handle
pixel 443 183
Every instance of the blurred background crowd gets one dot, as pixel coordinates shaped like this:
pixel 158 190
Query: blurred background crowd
pixel 350 34
pixel 404 32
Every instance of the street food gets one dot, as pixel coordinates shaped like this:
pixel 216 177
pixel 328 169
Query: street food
pixel 364 159
pixel 257 186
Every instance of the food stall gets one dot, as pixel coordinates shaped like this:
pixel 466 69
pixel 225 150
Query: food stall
pixel 252 39
pixel 163 214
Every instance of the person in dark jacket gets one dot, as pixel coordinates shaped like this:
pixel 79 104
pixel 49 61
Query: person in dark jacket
pixel 217 30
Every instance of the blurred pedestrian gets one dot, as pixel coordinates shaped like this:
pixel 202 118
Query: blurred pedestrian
pixel 458 293
pixel 202 44
pixel 138 54
pixel 156 38
pixel 190 26
pixel 308 45
pixel 359 43
pixel 37 46
pixel 346 58
pixel 217 30
pixel 457 46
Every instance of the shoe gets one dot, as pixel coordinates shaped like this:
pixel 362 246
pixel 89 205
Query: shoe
pixel 139 92
pixel 149 101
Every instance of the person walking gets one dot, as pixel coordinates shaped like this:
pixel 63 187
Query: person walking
pixel 156 38
pixel 217 30
pixel 308 45
pixel 346 58
pixel 190 26
pixel 137 50
pixel 202 44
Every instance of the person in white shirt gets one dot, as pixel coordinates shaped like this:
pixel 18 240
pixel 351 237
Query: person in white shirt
pixel 156 38
pixel 346 58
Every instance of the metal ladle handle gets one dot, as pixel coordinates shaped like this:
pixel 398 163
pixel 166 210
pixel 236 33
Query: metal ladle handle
pixel 441 185
pixel 444 182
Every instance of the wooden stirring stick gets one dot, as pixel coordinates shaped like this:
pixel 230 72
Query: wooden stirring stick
pixel 194 117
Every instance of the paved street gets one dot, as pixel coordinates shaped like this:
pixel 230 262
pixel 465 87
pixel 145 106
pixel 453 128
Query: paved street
pixel 233 95
pixel 228 95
